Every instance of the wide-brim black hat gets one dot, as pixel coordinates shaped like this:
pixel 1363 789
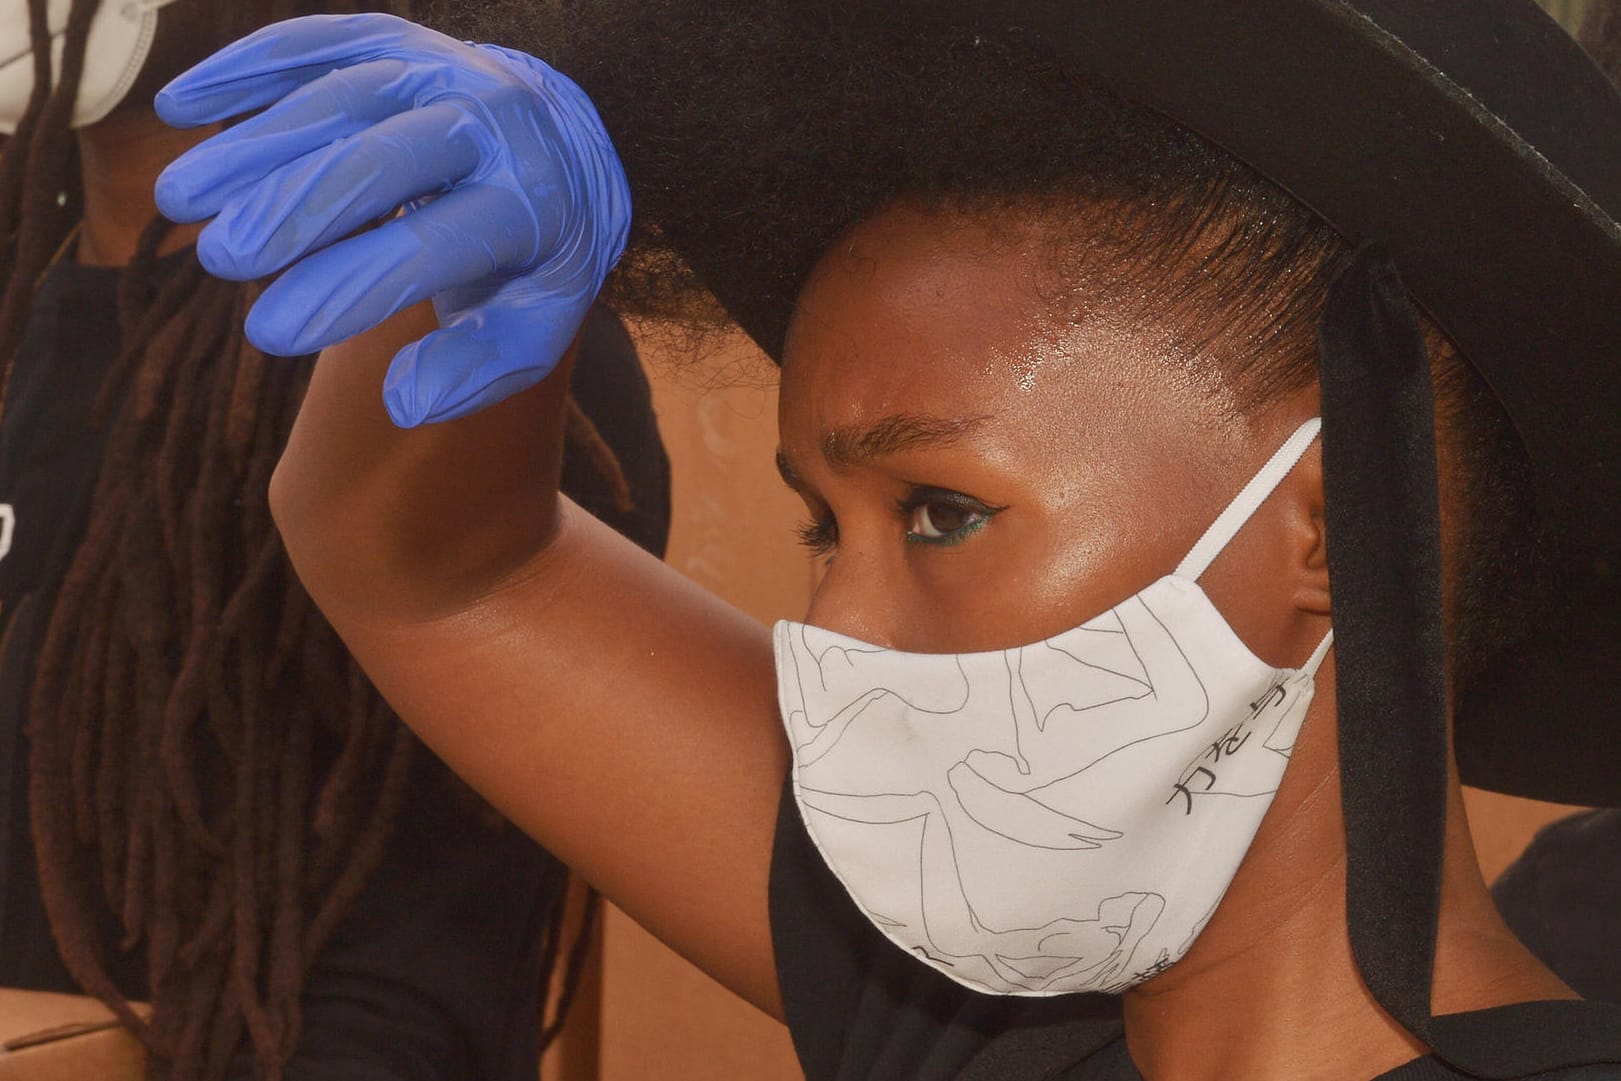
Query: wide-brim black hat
pixel 1472 152
pixel 1481 148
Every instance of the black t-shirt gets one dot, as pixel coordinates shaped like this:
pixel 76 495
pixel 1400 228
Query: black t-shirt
pixel 861 1009
pixel 434 972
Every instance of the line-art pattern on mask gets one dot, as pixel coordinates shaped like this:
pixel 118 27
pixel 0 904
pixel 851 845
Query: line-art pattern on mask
pixel 1056 817
pixel 840 662
pixel 1060 721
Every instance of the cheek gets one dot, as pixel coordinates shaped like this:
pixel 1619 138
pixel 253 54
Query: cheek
pixel 1092 558
pixel 1035 572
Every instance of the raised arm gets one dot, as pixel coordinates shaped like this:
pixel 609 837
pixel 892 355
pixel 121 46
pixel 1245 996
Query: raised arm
pixel 620 715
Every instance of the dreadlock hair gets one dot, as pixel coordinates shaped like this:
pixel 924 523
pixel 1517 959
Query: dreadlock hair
pixel 207 764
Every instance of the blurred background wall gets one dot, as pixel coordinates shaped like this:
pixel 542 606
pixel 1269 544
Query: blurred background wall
pixel 732 532
pixel 1568 12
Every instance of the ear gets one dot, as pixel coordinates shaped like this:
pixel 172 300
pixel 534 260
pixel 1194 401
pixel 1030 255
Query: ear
pixel 1271 581
pixel 1307 536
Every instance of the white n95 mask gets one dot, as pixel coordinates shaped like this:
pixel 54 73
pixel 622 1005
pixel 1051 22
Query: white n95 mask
pixel 120 38
pixel 1060 817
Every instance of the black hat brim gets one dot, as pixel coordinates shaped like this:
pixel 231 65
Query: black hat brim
pixel 1481 149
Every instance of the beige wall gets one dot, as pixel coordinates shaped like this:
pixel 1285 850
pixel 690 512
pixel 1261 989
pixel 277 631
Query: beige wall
pixel 733 532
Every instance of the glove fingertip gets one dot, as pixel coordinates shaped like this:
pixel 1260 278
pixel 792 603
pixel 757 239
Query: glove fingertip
pixel 175 194
pixel 219 258
pixel 402 388
pixel 192 99
pixel 400 410
pixel 446 376
pixel 172 105
pixel 268 330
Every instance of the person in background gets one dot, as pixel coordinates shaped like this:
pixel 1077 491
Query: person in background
pixel 205 807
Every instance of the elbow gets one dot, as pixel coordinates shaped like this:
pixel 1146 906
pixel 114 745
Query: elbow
pixel 285 501
pixel 295 508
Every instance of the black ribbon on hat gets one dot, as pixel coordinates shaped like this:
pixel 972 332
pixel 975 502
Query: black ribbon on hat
pixel 1384 557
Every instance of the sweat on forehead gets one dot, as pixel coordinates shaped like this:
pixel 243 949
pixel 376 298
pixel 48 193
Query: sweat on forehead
pixel 1226 297
pixel 918 336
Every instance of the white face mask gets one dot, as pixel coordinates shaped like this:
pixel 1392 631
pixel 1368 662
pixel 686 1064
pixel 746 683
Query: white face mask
pixel 1060 817
pixel 120 37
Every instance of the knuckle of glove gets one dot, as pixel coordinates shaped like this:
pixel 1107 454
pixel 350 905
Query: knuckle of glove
pixel 540 138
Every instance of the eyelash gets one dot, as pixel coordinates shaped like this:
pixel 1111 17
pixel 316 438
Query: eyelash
pixel 821 534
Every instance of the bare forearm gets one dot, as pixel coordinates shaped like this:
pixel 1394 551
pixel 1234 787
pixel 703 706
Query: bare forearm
pixel 413 522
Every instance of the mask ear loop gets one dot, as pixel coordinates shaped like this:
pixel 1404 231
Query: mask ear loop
pixel 1315 661
pixel 1243 507
pixel 1247 501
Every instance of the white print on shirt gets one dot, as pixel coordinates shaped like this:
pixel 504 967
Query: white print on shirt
pixel 8 526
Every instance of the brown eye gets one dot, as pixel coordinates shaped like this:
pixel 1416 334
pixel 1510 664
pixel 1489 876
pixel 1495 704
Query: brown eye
pixel 938 516
pixel 936 520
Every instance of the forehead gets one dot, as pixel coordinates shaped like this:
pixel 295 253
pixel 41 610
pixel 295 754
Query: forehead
pixel 970 315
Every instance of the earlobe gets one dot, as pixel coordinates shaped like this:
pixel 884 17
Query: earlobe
pixel 1312 594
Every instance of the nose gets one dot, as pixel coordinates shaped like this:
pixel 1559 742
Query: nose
pixel 855 598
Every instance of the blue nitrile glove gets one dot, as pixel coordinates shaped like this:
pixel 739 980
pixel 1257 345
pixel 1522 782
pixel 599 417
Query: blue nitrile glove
pixel 517 207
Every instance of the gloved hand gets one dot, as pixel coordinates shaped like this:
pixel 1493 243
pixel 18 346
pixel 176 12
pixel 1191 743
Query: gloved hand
pixel 516 205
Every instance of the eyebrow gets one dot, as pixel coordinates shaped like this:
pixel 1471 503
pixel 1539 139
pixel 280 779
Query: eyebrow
pixel 848 446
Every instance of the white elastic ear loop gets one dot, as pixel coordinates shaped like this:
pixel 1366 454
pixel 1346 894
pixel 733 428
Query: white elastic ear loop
pixel 1315 661
pixel 1247 501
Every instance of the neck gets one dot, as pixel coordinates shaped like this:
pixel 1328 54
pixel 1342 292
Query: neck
pixel 1270 989
pixel 120 158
